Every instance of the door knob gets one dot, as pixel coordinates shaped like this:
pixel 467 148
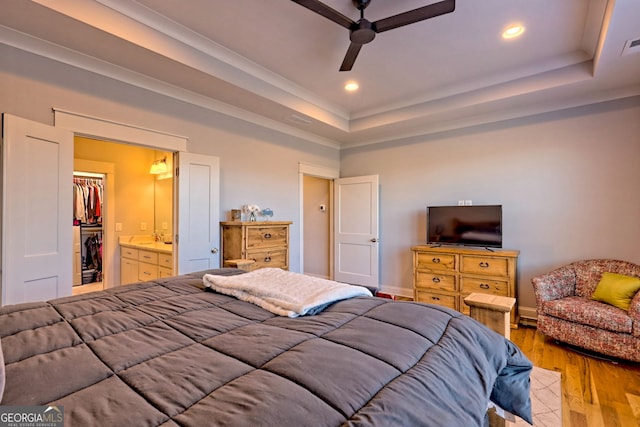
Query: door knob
pixel 214 250
pixel 374 240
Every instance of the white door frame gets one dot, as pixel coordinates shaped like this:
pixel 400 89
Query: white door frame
pixel 319 172
pixel 103 129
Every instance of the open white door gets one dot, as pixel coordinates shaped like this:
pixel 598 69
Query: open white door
pixel 356 230
pixel 198 226
pixel 37 201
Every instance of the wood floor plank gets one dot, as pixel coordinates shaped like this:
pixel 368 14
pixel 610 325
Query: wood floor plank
pixel 595 392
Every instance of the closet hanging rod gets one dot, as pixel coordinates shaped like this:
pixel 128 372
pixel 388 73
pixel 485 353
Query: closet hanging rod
pixel 87 175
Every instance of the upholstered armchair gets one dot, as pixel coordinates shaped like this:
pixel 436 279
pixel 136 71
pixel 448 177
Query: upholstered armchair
pixel 567 312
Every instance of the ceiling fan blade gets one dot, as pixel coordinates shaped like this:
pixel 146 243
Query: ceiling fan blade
pixel 415 15
pixel 329 13
pixel 350 57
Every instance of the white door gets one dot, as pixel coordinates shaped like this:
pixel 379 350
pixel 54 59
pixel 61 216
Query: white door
pixel 197 195
pixel 37 198
pixel 356 230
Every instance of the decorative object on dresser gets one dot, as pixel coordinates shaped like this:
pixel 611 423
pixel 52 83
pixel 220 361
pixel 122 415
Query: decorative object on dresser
pixel 446 275
pixel 251 211
pixel 264 242
pixel 592 304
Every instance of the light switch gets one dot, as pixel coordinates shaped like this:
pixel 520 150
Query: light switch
pixel 118 226
pixel 143 226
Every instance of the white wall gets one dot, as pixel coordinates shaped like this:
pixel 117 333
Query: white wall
pixel 568 183
pixel 258 165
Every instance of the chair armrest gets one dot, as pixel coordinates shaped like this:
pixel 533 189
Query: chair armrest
pixel 559 283
pixel 634 308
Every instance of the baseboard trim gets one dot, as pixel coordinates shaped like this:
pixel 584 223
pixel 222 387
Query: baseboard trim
pixel 395 290
pixel 528 313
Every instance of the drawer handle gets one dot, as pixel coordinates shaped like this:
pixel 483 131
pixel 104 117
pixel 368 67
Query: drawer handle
pixel 267 259
pixel 436 280
pixel 267 235
pixel 484 264
pixel 435 298
pixel 484 286
pixel 436 260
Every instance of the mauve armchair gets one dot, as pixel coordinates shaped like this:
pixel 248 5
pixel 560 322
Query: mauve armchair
pixel 567 313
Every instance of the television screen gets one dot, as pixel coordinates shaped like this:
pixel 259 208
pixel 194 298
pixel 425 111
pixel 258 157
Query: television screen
pixel 465 225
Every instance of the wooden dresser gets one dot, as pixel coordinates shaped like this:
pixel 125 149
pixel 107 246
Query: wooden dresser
pixel 265 242
pixel 446 275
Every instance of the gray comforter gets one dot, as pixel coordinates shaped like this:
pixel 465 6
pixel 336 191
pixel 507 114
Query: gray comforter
pixel 171 353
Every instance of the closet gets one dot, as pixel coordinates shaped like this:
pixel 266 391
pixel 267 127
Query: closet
pixel 88 197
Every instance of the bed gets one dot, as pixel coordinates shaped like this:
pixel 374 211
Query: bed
pixel 172 352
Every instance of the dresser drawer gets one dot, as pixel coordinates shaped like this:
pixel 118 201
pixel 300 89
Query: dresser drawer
pixel 485 265
pixel 474 284
pixel 436 261
pixel 128 252
pixel 148 256
pixel 449 301
pixel 147 271
pixel 165 260
pixel 275 259
pixel 261 237
pixel 164 272
pixel 425 279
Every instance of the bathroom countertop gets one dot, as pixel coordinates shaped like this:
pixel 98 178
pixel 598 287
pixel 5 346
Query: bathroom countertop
pixel 145 243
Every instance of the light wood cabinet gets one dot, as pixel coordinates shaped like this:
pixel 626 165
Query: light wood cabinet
pixel 128 265
pixel 137 265
pixel 265 242
pixel 446 275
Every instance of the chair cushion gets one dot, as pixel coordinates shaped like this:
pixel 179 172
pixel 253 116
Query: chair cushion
pixel 616 289
pixel 588 312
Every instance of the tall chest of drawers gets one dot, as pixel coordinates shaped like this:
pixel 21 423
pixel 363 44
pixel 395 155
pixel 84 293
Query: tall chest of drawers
pixel 265 242
pixel 446 275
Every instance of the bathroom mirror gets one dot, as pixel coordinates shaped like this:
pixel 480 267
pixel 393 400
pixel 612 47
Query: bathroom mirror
pixel 163 207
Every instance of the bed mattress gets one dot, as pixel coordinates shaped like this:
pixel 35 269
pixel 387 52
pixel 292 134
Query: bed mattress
pixel 172 353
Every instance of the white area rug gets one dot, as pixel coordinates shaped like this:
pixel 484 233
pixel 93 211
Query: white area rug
pixel 546 399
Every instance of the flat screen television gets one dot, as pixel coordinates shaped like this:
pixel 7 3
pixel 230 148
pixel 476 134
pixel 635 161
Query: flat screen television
pixel 465 225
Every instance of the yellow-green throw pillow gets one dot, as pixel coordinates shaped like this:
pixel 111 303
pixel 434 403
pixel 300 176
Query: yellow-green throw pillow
pixel 616 289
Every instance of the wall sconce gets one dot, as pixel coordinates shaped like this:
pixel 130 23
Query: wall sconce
pixel 159 166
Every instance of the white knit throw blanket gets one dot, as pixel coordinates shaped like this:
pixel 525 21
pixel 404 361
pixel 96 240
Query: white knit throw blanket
pixel 283 292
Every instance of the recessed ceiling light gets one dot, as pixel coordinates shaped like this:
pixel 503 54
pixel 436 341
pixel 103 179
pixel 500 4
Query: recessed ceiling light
pixel 351 86
pixel 513 31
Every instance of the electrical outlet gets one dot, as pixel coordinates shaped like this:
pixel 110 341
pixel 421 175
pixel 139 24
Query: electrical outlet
pixel 143 226
pixel 468 203
pixel 118 226
pixel 460 202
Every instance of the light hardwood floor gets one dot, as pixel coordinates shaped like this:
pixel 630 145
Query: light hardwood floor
pixel 595 392
pixel 83 289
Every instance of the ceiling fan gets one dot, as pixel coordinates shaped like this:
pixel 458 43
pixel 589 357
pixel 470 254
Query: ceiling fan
pixel 364 31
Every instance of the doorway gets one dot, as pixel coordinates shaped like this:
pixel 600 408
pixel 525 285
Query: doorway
pixel 88 201
pixel 317 219
pixel 135 202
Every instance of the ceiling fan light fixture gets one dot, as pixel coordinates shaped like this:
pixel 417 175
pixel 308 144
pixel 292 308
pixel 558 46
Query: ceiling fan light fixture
pixel 513 31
